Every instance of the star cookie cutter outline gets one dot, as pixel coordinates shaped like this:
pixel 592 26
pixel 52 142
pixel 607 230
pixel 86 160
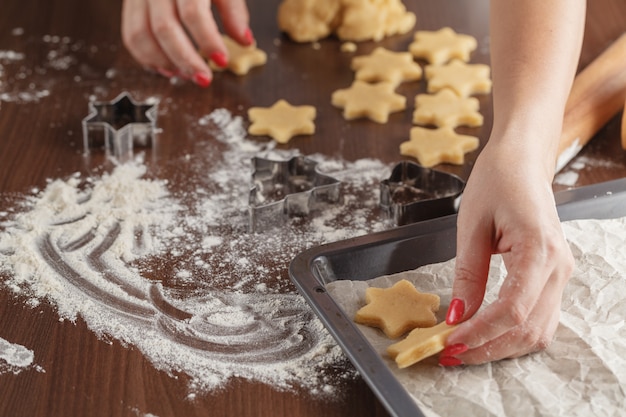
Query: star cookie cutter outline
pixel 284 188
pixel 120 124
pixel 414 193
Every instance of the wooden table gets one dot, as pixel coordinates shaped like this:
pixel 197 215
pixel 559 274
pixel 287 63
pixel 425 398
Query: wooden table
pixel 40 138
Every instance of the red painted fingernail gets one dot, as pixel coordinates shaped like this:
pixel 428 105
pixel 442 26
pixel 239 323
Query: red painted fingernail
pixel 220 59
pixel 455 311
pixel 202 79
pixel 454 350
pixel 450 361
pixel 247 35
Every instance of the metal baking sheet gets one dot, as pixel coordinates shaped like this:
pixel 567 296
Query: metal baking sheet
pixel 402 249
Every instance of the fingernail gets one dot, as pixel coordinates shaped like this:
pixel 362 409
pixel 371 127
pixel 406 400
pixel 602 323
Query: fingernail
pixel 165 73
pixel 455 311
pixel 219 58
pixel 450 361
pixel 454 350
pixel 202 79
pixel 247 35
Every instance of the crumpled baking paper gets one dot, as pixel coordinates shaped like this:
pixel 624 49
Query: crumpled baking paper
pixel 583 371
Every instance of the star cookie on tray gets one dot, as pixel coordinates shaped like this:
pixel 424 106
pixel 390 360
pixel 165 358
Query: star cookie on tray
pixel 374 101
pixel 398 309
pixel 434 146
pixel 241 58
pixel 282 121
pixel 385 65
pixel 445 108
pixel 439 47
pixel 464 79
pixel 420 344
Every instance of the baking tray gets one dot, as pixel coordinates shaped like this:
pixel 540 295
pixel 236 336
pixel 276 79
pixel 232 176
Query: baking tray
pixel 406 248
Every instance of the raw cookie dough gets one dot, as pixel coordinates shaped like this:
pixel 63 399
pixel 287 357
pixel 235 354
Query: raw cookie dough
pixel 374 101
pixel 282 121
pixel 241 58
pixel 350 20
pixel 348 47
pixel 434 146
pixel 439 47
pixel 398 309
pixel 385 65
pixel 445 108
pixel 464 79
pixel 420 344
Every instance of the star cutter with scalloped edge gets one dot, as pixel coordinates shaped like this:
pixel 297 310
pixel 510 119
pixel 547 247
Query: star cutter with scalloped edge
pixel 281 189
pixel 119 125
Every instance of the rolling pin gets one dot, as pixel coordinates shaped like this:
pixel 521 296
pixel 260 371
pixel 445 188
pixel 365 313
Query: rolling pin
pixel 598 94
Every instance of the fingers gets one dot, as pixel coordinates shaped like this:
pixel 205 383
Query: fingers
pixel 172 36
pixel 175 43
pixel 535 334
pixel 524 317
pixel 474 249
pixel 138 38
pixel 196 17
pixel 236 20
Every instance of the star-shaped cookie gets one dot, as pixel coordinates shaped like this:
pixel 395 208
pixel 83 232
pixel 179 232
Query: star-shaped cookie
pixel 464 79
pixel 398 309
pixel 385 65
pixel 434 146
pixel 420 344
pixel 374 101
pixel 241 58
pixel 445 108
pixel 439 47
pixel 282 121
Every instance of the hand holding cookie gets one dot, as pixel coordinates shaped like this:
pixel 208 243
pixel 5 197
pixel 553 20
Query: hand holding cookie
pixel 169 36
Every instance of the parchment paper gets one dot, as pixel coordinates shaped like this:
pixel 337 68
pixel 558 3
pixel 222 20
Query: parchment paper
pixel 582 373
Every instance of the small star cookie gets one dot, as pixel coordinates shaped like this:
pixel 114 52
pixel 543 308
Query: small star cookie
pixel 464 79
pixel 386 65
pixel 420 344
pixel 434 146
pixel 439 47
pixel 398 309
pixel 374 101
pixel 282 121
pixel 446 109
pixel 241 58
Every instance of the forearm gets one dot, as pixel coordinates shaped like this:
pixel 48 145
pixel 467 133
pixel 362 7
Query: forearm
pixel 535 47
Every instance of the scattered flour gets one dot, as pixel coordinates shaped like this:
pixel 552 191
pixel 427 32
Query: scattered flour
pixel 176 274
pixel 14 358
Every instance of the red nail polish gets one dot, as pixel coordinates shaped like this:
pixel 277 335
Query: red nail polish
pixel 201 79
pixel 454 350
pixel 220 59
pixel 450 361
pixel 455 311
pixel 247 35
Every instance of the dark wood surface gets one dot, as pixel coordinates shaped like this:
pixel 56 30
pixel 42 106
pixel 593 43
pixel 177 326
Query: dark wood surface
pixel 42 139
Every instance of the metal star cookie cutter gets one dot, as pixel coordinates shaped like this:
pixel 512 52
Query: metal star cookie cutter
pixel 413 193
pixel 119 125
pixel 292 187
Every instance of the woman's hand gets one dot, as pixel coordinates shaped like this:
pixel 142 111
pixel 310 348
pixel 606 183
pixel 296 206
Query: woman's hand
pixel 508 208
pixel 172 36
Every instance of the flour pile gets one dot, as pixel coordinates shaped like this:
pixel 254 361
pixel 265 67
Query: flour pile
pixel 176 274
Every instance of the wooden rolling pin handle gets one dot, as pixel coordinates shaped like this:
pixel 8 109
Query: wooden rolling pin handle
pixel 598 94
